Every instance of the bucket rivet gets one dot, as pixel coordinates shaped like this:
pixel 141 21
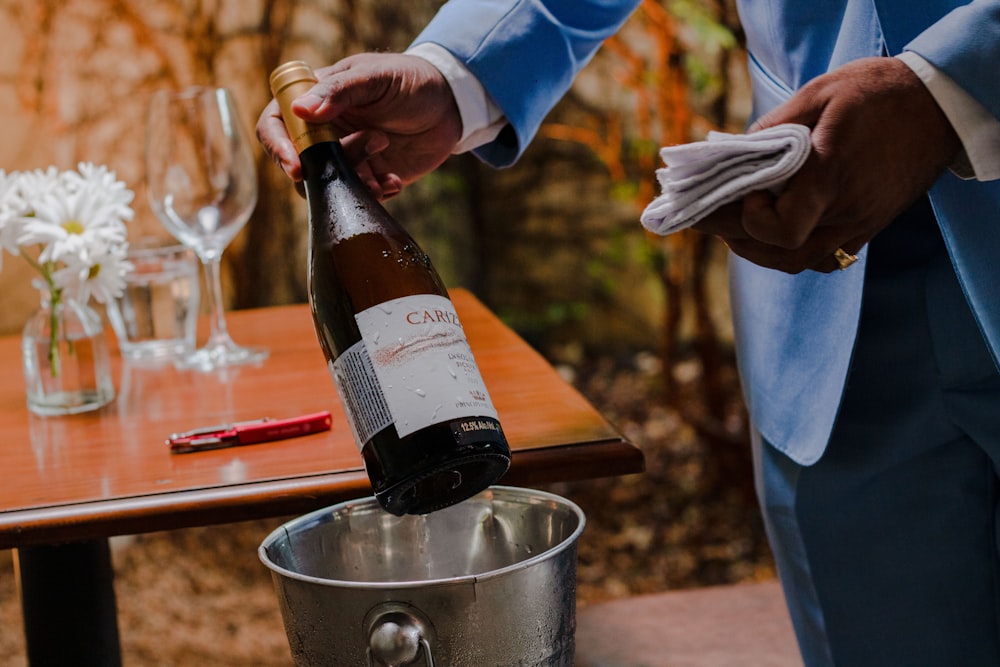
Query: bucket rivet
pixel 395 639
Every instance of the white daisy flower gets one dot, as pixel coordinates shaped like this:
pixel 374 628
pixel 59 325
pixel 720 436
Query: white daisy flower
pixel 70 226
pixel 76 220
pixel 117 196
pixel 12 207
pixel 72 222
pixel 37 182
pixel 102 276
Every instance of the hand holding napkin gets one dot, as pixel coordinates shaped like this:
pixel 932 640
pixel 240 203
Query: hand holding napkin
pixel 704 175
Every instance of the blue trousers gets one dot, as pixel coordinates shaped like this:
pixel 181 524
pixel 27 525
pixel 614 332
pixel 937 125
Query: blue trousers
pixel 887 546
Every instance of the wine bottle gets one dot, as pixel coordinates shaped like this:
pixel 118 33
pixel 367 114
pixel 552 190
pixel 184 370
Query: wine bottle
pixel 414 397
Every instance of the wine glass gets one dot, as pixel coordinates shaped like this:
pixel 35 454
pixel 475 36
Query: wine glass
pixel 202 185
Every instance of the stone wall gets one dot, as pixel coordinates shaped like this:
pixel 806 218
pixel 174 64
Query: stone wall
pixel 546 243
pixel 75 77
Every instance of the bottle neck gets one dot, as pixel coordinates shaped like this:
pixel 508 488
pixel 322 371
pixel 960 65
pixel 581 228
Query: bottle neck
pixel 305 135
pixel 326 161
pixel 288 82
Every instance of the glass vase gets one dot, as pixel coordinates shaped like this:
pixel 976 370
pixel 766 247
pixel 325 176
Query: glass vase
pixel 67 364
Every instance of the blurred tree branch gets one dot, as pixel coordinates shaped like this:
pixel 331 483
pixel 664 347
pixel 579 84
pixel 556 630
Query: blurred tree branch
pixel 653 61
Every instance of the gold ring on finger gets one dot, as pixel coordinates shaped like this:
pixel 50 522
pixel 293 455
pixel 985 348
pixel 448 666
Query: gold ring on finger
pixel 844 259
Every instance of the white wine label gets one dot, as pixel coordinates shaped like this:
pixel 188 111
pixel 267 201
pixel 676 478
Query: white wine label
pixel 365 406
pixel 419 353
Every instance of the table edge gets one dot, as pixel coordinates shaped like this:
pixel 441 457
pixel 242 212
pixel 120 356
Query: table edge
pixel 275 498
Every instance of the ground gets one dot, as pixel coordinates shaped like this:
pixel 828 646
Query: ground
pixel 201 597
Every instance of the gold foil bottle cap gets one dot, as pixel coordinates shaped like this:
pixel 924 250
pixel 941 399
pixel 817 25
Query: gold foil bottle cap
pixel 289 81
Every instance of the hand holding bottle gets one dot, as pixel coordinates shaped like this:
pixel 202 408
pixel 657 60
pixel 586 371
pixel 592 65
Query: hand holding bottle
pixel 418 408
pixel 395 113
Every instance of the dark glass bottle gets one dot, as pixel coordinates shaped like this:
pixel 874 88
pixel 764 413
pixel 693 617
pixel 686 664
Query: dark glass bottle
pixel 419 411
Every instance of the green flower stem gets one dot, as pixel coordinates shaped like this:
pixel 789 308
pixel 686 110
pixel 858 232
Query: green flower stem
pixel 55 299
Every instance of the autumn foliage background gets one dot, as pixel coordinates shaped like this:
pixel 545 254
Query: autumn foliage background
pixel 640 324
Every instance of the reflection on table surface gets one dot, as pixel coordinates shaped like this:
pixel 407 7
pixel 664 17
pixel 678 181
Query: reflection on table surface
pixel 110 472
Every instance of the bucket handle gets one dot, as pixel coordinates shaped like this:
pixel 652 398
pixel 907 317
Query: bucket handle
pixel 397 633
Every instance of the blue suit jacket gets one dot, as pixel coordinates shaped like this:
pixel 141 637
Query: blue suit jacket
pixel 794 334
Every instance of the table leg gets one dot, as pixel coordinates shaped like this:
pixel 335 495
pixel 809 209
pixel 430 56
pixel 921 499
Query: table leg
pixel 68 602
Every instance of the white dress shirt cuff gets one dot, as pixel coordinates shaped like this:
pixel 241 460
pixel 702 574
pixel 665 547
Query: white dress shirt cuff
pixel 482 119
pixel 977 129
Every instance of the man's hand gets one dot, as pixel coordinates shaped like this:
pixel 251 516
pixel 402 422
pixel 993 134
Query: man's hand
pixel 395 113
pixel 879 140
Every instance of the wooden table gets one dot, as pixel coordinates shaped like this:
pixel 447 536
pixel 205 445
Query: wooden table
pixel 71 482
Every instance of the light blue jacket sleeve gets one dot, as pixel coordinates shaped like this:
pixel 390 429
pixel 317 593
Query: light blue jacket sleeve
pixel 525 53
pixel 965 45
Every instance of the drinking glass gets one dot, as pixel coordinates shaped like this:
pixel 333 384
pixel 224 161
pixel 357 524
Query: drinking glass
pixel 202 185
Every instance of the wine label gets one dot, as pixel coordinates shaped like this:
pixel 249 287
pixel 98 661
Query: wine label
pixel 359 391
pixel 413 368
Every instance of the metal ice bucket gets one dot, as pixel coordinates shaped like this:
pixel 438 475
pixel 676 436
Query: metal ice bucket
pixel 490 581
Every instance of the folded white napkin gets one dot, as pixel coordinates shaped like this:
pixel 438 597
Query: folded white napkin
pixel 704 175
